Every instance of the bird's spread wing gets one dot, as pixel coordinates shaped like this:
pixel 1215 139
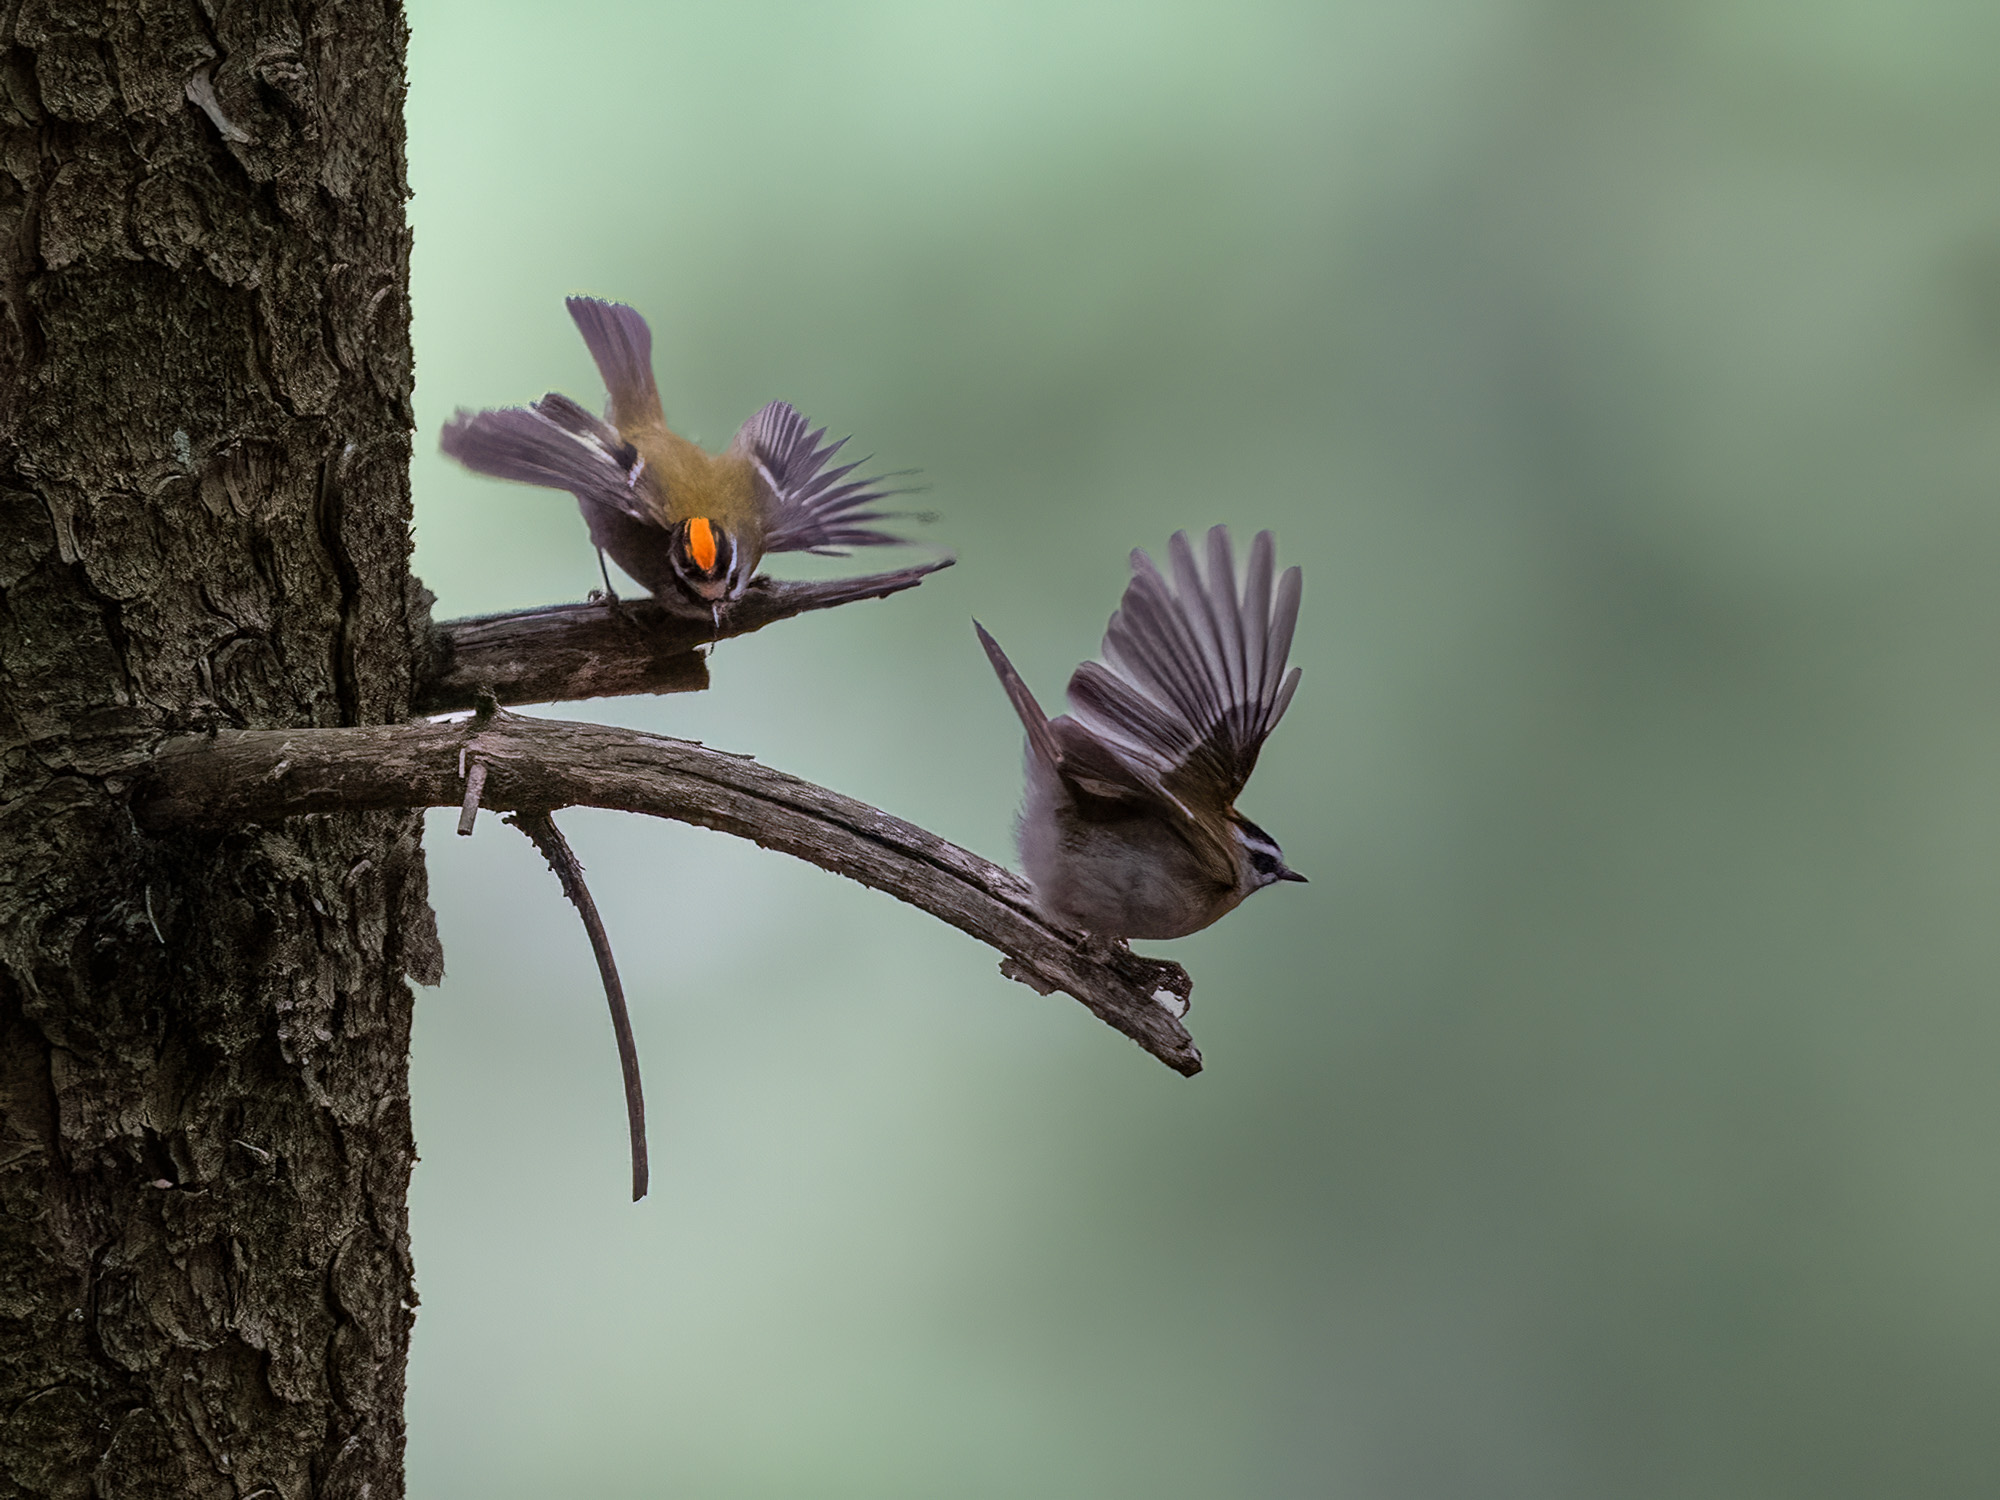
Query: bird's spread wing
pixel 622 345
pixel 814 505
pixel 555 443
pixel 1092 769
pixel 1194 677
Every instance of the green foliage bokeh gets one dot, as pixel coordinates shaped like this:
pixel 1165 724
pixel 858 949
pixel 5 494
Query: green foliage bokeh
pixel 1614 1114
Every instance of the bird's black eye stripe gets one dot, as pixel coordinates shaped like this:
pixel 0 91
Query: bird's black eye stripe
pixel 1260 842
pixel 1266 858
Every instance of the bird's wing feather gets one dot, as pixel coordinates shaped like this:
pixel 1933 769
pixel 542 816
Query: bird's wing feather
pixel 814 505
pixel 1103 778
pixel 554 443
pixel 1194 678
pixel 622 345
pixel 1129 721
pixel 1040 741
pixel 1094 766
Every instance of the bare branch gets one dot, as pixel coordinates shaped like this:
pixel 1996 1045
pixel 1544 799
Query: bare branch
pixel 541 828
pixel 536 765
pixel 568 652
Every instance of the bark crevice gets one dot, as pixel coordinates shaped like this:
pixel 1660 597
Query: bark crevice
pixel 171 554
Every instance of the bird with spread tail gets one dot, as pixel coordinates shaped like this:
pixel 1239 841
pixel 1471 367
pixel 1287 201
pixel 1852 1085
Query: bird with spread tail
pixel 1130 827
pixel 688 524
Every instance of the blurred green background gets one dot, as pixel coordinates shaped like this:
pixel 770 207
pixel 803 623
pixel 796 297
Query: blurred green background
pixel 1616 1112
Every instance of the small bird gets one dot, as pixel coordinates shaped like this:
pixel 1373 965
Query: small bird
pixel 688 524
pixel 1130 828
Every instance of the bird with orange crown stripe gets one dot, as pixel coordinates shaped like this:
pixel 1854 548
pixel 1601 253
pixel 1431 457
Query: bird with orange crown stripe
pixel 688 524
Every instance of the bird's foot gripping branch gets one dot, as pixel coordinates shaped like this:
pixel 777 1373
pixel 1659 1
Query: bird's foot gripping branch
pixel 530 767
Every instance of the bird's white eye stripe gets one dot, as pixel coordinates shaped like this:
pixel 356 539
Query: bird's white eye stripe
pixel 1259 842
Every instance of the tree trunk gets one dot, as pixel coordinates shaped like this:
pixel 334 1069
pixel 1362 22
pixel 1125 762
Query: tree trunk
pixel 204 522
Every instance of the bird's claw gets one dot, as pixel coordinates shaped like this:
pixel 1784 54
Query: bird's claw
pixel 1096 948
pixel 611 601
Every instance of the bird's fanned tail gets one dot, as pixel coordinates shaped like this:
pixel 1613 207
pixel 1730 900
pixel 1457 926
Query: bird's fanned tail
pixel 622 346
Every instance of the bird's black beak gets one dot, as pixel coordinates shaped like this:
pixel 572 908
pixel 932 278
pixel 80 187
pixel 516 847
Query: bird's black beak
pixel 1290 874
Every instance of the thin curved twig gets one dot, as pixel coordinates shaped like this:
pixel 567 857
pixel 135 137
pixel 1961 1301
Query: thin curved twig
pixel 541 828
pixel 249 776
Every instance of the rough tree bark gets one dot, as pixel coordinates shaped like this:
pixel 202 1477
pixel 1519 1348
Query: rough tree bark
pixel 204 392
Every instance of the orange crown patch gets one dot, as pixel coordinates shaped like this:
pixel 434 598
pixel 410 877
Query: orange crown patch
pixel 701 543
